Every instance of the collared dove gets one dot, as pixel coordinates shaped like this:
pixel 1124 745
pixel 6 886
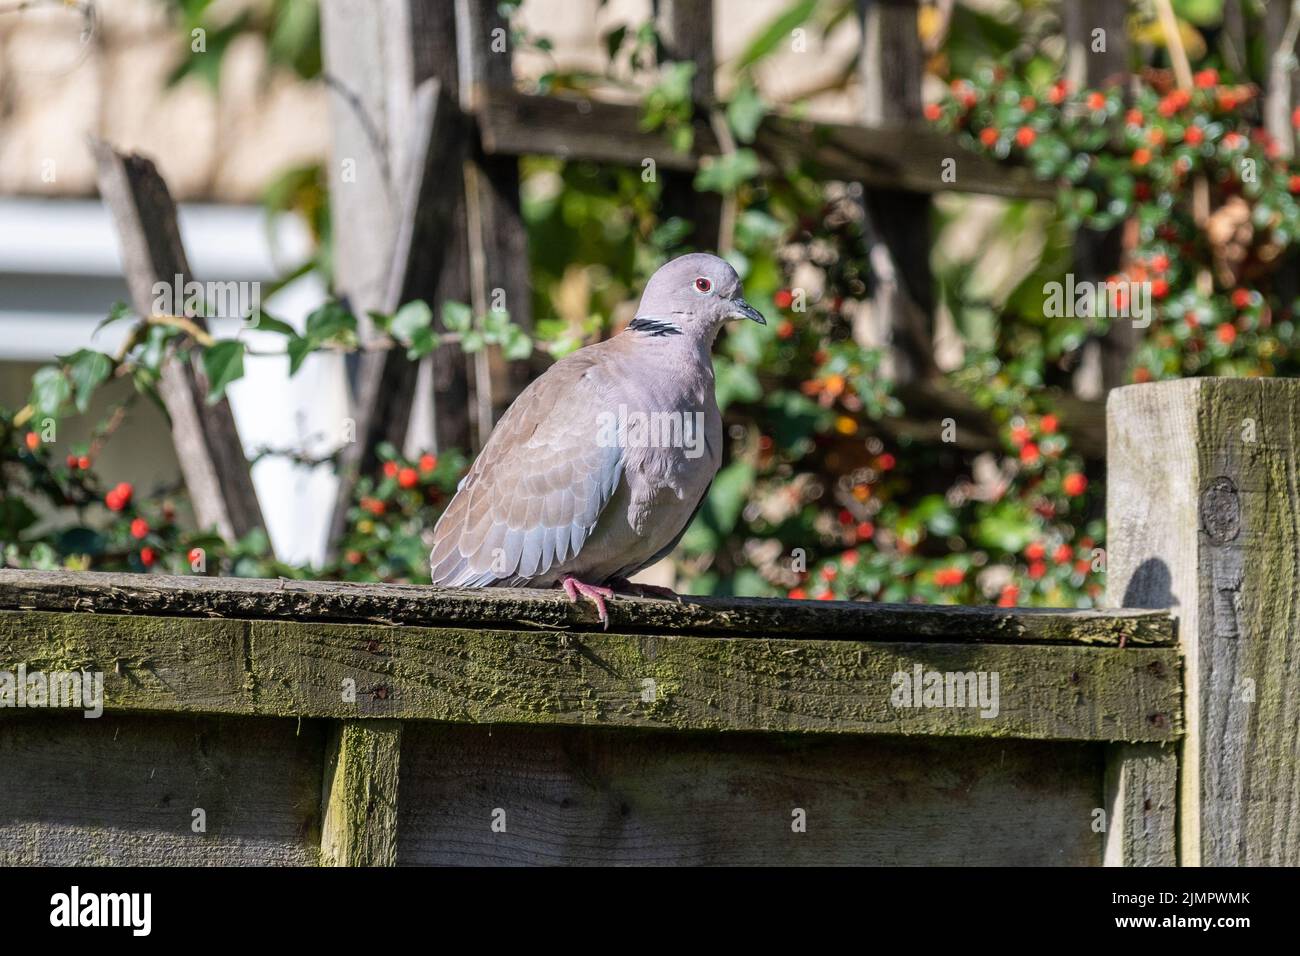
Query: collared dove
pixel 598 467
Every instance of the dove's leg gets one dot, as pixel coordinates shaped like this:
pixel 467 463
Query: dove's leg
pixel 644 590
pixel 596 595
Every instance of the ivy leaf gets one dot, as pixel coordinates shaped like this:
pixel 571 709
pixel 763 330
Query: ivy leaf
pixel 456 316
pixel 517 345
pixel 116 313
pixel 223 363
pixel 410 320
pixel 265 322
pixel 87 369
pixel 330 321
pixel 745 112
pixel 776 32
pixel 422 343
pixel 724 174
pixel 299 348
pixel 50 389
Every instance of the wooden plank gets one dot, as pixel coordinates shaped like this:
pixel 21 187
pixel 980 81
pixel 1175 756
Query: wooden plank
pixel 1201 509
pixel 308 669
pixel 497 236
pixel 593 798
pixel 359 806
pixel 434 146
pixel 160 594
pixel 1141 805
pixel 207 443
pixel 1097 254
pixel 896 225
pixel 890 156
pixel 686 36
pixel 124 791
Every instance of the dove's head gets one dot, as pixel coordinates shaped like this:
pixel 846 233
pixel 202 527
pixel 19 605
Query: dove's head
pixel 692 295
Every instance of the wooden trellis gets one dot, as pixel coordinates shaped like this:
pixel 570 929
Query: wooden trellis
pixel 428 129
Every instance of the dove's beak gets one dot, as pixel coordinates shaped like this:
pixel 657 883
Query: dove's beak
pixel 740 309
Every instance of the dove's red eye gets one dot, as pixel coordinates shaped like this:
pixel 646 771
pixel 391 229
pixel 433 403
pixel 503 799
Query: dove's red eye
pixel 703 285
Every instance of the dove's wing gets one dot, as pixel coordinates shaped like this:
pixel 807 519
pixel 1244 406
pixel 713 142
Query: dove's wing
pixel 540 484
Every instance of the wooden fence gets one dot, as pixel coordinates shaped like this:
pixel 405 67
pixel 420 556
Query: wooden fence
pixel 304 722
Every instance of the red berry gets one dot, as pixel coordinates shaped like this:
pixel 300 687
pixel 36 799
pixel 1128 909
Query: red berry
pixel 1037 570
pixel 866 531
pixel 949 577
pixel 1062 554
pixel 390 469
pixel 353 557
pixel 785 330
pixel 1295 117
pixel 1009 595
pixel 139 528
pixel 783 298
pixel 989 136
pixel 1025 137
pixel 1226 333
pixel 932 111
pixel 886 462
pixel 1096 101
pixel 72 462
pixel 1035 551
pixel 148 556
pixel 1206 78
pixel 1133 118
pixel 1029 453
pixel 1193 136
pixel 1160 263
pixel 826 596
pixel 1141 156
pixel 1074 484
pixel 797 594
pixel 1159 288
pixel 428 463
pixel 1048 424
pixel 829 572
pixel 1241 298
pixel 33 441
pixel 1293 184
pixel 408 478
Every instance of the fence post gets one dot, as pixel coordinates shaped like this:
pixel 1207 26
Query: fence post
pixel 1203 512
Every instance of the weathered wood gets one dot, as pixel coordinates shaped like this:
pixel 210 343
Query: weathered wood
pixel 207 443
pixel 1201 507
pixel 1098 254
pixel 1141 805
pixel 896 225
pixel 124 791
pixel 245 598
pixel 686 36
pixel 359 803
pixel 597 797
pixel 302 669
pixel 890 156
pixel 434 145
pixel 499 266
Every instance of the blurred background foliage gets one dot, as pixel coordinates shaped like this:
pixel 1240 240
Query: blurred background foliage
pixel 822 494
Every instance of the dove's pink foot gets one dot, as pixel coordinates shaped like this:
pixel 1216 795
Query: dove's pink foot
pixel 645 590
pixel 596 595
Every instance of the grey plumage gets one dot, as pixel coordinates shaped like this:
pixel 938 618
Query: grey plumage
pixel 560 491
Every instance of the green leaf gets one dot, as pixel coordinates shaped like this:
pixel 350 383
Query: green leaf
pixel 50 390
pixel 87 370
pixel 456 316
pixel 724 174
pixel 518 344
pixel 116 313
pixel 422 343
pixel 298 348
pixel 223 363
pixel 728 495
pixel 745 112
pixel 265 322
pixel 330 321
pixel 410 320
pixel 776 32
